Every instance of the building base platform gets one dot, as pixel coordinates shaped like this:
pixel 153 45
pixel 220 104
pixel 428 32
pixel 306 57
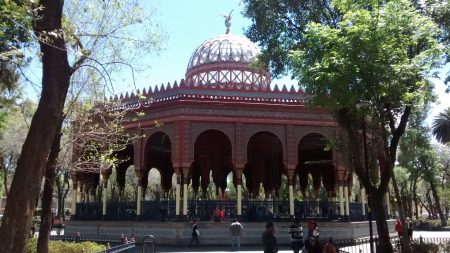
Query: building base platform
pixel 212 233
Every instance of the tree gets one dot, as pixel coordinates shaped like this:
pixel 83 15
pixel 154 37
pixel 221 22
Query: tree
pixel 441 126
pixel 376 53
pixel 12 136
pixel 35 150
pixel 102 40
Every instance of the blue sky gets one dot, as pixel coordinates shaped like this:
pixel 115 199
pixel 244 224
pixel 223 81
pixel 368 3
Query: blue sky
pixel 188 24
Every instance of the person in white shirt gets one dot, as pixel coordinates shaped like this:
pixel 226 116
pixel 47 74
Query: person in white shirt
pixel 236 230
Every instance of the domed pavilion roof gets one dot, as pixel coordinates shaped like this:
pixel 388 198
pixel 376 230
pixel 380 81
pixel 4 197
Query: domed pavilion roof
pixel 225 62
pixel 224 48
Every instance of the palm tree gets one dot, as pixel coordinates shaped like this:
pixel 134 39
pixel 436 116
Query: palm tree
pixel 441 126
pixel 441 130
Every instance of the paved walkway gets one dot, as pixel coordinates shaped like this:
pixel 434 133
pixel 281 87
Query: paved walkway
pixel 285 249
pixel 360 249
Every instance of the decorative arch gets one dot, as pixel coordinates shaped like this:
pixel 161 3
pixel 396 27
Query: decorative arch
pixel 158 154
pixel 212 154
pixel 199 128
pixel 315 157
pixel 277 130
pixel 264 162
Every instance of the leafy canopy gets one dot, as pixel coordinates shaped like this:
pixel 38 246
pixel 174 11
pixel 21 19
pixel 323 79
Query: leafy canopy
pixel 379 53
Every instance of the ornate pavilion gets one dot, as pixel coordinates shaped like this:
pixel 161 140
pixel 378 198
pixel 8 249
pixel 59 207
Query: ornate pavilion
pixel 225 119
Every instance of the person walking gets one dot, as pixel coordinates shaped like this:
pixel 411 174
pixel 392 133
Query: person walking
pixel 236 230
pixel 269 239
pixel 195 234
pixel 409 227
pixel 399 228
pixel 296 235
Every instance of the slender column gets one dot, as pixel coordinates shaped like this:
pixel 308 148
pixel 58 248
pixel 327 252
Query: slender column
pixel 341 200
pixel 177 195
pixel 185 198
pixel 291 190
pixel 363 200
pixel 139 201
pixel 83 195
pixel 239 199
pixel 291 200
pixel 105 194
pixel 185 192
pixel 239 190
pixel 388 205
pixel 74 198
pixel 347 204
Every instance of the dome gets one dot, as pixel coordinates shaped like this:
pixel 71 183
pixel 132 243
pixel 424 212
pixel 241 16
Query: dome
pixel 222 48
pixel 224 61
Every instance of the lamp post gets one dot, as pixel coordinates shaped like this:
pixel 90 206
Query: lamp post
pixel 366 167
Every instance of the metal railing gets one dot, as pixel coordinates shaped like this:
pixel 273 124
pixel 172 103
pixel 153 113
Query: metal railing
pixel 252 210
pixel 123 248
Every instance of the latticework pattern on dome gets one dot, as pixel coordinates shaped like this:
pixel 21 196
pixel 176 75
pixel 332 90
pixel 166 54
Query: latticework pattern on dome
pixel 224 62
pixel 224 48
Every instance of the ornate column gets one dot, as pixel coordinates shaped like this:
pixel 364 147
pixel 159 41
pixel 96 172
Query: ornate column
pixel 82 190
pixel 341 200
pixel 79 188
pixel 105 174
pixel 291 191
pixel 139 201
pixel 185 191
pixel 239 191
pixel 363 200
pixel 347 203
pixel 74 198
pixel 177 193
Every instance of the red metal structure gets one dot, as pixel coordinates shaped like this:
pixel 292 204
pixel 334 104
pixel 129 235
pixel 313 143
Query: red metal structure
pixel 224 118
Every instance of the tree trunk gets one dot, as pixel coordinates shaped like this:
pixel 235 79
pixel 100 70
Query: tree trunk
pixel 416 204
pixel 26 183
pixel 384 242
pixel 432 213
pixel 438 203
pixel 5 175
pixel 406 247
pixel 47 195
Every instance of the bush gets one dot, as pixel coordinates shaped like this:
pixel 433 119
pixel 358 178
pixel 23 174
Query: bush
pixel 66 247
pixel 424 247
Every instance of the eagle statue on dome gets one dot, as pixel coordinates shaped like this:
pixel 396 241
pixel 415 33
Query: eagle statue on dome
pixel 227 21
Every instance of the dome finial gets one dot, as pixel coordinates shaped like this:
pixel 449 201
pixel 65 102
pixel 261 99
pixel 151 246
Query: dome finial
pixel 227 21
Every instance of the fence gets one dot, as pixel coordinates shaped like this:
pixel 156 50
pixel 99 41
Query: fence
pixel 252 210
pixel 421 244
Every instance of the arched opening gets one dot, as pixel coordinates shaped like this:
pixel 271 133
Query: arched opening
pixel 158 153
pixel 212 161
pixel 315 171
pixel 315 168
pixel 264 164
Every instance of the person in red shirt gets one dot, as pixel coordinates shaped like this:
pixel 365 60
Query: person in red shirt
pixel 399 228
pixel 311 226
pixel 222 215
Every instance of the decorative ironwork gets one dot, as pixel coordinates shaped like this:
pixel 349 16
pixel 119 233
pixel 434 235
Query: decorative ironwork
pixel 204 210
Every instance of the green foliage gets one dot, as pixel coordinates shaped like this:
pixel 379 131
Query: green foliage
pixel 15 22
pixel 441 126
pixel 279 26
pixel 377 53
pixel 424 247
pixel 66 247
